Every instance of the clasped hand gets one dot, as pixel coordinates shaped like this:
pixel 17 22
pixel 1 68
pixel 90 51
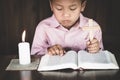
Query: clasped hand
pixel 93 46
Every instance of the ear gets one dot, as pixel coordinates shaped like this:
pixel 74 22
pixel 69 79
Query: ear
pixel 51 6
pixel 83 5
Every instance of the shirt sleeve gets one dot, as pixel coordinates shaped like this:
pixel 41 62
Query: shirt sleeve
pixel 40 44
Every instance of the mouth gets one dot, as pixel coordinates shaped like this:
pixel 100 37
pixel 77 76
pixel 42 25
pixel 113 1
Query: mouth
pixel 66 21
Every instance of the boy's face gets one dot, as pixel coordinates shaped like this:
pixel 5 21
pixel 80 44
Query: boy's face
pixel 67 12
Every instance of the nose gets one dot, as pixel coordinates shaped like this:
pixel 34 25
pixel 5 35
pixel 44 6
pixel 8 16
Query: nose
pixel 66 13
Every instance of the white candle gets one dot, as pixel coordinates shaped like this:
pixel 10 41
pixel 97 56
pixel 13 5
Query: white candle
pixel 24 51
pixel 90 31
pixel 91 28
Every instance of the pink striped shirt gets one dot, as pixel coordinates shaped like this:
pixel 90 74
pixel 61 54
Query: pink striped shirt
pixel 49 32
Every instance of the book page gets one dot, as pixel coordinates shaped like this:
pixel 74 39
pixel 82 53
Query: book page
pixel 99 57
pixel 100 60
pixel 49 62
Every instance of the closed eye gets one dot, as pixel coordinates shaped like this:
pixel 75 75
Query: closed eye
pixel 59 8
pixel 73 7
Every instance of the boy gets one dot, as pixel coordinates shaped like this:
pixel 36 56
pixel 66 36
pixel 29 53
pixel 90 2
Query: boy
pixel 63 30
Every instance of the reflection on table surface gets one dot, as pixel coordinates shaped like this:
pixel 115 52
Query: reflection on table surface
pixel 25 75
pixel 66 74
pixel 61 75
pixel 79 75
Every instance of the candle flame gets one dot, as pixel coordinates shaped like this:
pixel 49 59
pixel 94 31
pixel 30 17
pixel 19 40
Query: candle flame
pixel 23 36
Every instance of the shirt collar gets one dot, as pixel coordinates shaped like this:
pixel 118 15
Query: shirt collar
pixel 82 21
pixel 54 22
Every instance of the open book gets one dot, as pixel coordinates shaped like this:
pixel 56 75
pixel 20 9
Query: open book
pixel 80 60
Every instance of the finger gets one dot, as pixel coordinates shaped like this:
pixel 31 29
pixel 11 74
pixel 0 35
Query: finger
pixel 94 41
pixel 56 50
pixel 93 45
pixel 61 50
pixel 93 49
pixel 88 43
pixel 51 51
pixel 93 52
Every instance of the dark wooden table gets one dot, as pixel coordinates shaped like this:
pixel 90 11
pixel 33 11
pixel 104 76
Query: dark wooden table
pixel 55 75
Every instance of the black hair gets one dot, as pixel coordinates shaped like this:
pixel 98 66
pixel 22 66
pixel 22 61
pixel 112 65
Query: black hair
pixel 83 1
pixel 80 0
